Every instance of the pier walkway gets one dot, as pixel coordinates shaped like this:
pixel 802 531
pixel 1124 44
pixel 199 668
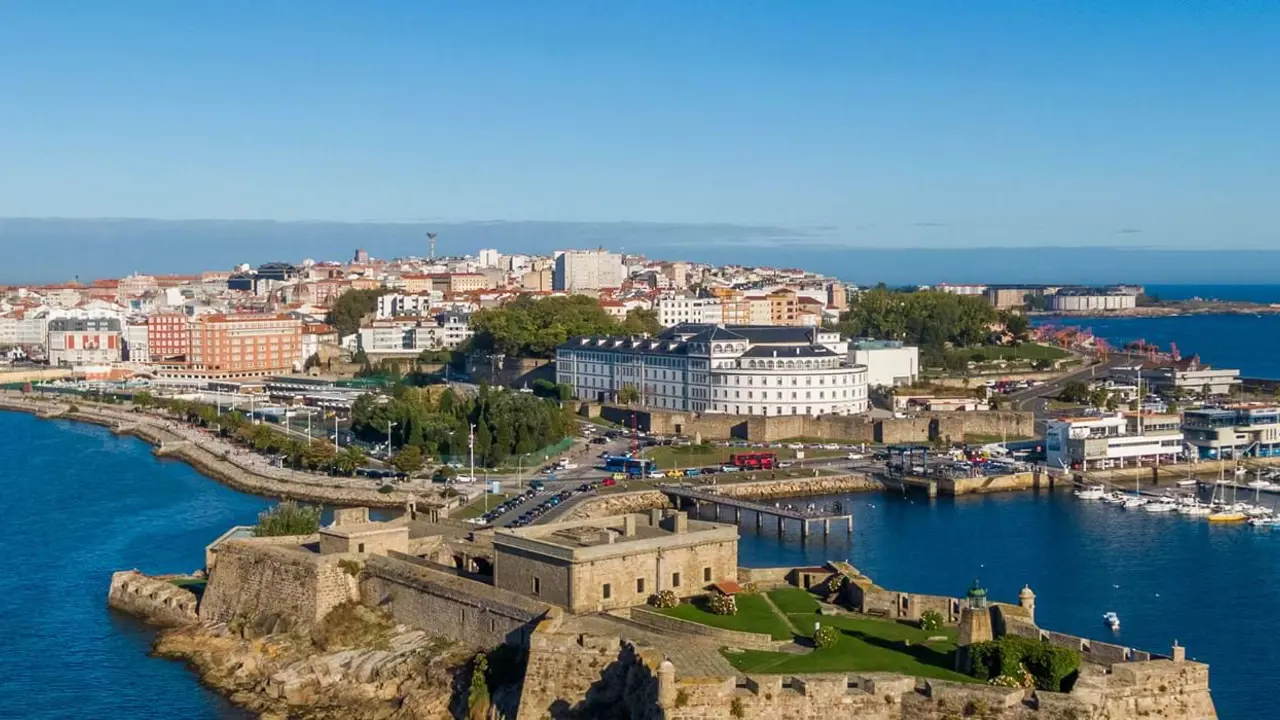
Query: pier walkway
pixel 687 496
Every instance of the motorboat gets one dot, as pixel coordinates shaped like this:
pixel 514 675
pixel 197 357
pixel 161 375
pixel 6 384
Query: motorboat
pixel 1260 484
pixel 1114 498
pixel 1260 521
pixel 1135 501
pixel 1194 509
pixel 1160 506
pixel 1226 515
pixel 1111 620
pixel 1189 482
pixel 1092 492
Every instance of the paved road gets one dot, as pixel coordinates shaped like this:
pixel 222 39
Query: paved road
pixel 1034 399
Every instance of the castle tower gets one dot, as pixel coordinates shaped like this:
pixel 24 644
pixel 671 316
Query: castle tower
pixel 1027 600
pixel 975 626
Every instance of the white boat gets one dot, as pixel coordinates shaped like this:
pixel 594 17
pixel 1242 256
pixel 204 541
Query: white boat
pixel 1160 506
pixel 1260 521
pixel 1112 620
pixel 1195 510
pixel 1189 482
pixel 1092 492
pixel 1241 472
pixel 1134 502
pixel 1114 498
pixel 1260 484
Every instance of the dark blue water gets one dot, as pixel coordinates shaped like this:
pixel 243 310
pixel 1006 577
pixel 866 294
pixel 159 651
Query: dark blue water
pixel 1231 293
pixel 78 504
pixel 1212 588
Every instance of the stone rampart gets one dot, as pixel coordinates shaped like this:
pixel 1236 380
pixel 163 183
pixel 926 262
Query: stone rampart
pixel 154 599
pixel 585 676
pixel 261 581
pixel 676 626
pixel 443 604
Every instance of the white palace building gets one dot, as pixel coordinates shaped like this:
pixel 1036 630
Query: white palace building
pixel 733 369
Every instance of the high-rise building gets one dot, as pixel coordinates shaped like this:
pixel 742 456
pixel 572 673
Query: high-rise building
pixel 578 270
pixel 490 258
pixel 361 257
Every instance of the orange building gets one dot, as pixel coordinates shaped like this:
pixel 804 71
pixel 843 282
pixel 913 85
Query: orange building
pixel 225 346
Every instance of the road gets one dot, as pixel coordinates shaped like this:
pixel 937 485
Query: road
pixel 1035 399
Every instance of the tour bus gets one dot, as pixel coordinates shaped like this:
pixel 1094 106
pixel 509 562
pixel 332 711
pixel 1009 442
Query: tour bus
pixel 634 467
pixel 754 460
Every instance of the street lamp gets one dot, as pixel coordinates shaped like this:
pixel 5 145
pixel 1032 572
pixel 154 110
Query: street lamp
pixel 389 426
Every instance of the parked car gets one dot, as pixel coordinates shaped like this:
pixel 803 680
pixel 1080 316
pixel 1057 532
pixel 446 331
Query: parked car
pixel 785 464
pixel 854 456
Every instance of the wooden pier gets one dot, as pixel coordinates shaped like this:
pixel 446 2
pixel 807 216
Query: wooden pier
pixel 685 497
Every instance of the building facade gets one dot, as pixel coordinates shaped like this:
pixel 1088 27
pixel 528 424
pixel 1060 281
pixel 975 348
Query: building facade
pixel 889 363
pixel 579 270
pixel 84 341
pixel 1232 432
pixel 1092 300
pixel 411 335
pixel 614 562
pixel 740 370
pixel 678 309
pixel 1107 441
pixel 1186 376
pixel 224 346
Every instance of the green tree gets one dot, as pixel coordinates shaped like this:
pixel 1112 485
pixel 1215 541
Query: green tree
pixel 1075 392
pixel 408 460
pixel 350 308
pixel 628 394
pixel 288 518
pixel 640 321
pixel 1017 325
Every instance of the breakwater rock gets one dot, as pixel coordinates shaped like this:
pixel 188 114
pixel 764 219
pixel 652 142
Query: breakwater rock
pixel 356 666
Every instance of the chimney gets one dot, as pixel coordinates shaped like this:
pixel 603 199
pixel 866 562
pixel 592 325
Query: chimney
pixel 676 523
pixel 629 525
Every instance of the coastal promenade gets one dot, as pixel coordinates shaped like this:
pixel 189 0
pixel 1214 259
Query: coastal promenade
pixel 227 463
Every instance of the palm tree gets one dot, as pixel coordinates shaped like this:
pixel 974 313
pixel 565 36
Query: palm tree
pixel 346 462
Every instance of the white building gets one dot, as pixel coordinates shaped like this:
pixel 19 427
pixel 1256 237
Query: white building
pixel 490 258
pixel 677 309
pixel 1107 441
pixel 740 370
pixel 135 343
pixel 578 270
pixel 84 341
pixel 411 335
pixel 889 362
pixel 1092 300
pixel 395 304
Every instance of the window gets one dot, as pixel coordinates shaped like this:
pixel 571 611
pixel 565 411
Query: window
pixel 639 585
pixel 607 592
pixel 675 580
pixel 537 586
pixel 360 548
pixel 706 574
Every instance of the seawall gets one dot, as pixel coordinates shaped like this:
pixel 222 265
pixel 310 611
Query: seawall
pixel 155 599
pixel 207 463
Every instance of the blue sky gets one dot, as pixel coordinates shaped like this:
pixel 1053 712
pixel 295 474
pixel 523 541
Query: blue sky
pixel 887 124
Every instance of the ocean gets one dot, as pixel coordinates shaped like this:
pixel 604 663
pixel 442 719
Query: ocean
pixel 82 503
pixel 1248 342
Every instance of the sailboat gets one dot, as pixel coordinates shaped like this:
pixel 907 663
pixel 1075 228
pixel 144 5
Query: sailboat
pixel 1224 513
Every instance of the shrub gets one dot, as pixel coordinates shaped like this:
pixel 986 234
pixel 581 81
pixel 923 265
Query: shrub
pixel 751 588
pixel 930 620
pixel 478 695
pixel 835 583
pixel 350 567
pixel 385 489
pixel 664 599
pixel 1013 656
pixel 722 604
pixel 682 698
pixel 826 636
pixel 288 518
pixel 737 709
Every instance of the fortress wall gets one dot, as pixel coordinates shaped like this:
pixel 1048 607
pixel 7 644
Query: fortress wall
pixel 152 599
pixel 443 604
pixel 570 675
pixel 254 580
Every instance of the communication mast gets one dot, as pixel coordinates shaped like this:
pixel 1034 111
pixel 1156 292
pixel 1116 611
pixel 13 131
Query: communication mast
pixel 431 239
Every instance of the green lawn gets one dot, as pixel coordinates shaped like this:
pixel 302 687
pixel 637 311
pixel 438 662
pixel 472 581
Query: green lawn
pixel 794 601
pixel 477 507
pixel 754 615
pixel 1025 351
pixel 866 645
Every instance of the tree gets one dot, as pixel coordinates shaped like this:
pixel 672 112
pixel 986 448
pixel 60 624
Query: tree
pixel 408 460
pixel 1098 397
pixel 346 462
pixel 361 358
pixel 312 361
pixel 1075 392
pixel 288 518
pixel 350 308
pixel 628 394
pixel 1016 324
pixel 640 321
pixel 533 328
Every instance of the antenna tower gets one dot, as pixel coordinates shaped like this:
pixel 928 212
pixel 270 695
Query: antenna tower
pixel 431 238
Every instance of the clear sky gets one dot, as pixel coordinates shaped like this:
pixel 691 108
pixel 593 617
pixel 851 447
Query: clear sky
pixel 891 123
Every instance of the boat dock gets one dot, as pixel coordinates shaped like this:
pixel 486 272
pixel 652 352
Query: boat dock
pixel 689 497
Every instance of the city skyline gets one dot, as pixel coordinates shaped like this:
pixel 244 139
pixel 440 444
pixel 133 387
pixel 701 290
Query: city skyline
pixel 850 125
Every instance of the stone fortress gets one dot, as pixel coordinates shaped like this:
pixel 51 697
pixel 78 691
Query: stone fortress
pixel 572 594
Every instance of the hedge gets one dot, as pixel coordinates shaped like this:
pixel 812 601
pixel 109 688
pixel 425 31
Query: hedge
pixel 1053 668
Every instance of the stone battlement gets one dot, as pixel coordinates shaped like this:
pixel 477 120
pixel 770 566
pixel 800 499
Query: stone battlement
pixel 155 599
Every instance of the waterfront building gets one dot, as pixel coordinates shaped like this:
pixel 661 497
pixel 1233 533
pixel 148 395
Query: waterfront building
pixel 961 289
pixel 579 270
pixel 1112 440
pixel 614 562
pixel 889 363
pixel 224 346
pixel 733 369
pixel 1245 430
pixel 1183 376
pixel 1092 299
pixel 84 340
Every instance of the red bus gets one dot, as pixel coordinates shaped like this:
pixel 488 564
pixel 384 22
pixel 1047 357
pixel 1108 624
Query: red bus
pixel 754 461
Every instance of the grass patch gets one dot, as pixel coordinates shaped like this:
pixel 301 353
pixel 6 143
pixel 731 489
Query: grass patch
pixel 794 601
pixel 351 625
pixel 754 615
pixel 1025 351
pixel 865 645
pixel 477 507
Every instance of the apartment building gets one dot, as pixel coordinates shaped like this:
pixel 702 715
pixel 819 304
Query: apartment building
pixel 224 346
pixel 579 270
pixel 677 309
pixel 84 341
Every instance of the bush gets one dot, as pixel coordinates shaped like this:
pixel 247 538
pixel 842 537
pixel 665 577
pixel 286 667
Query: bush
pixel 930 620
pixel 1051 667
pixel 825 637
pixel 664 599
pixel 385 489
pixel 751 588
pixel 722 604
pixel 288 518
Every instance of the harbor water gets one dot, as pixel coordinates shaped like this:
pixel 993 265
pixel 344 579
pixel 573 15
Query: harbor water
pixel 82 503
